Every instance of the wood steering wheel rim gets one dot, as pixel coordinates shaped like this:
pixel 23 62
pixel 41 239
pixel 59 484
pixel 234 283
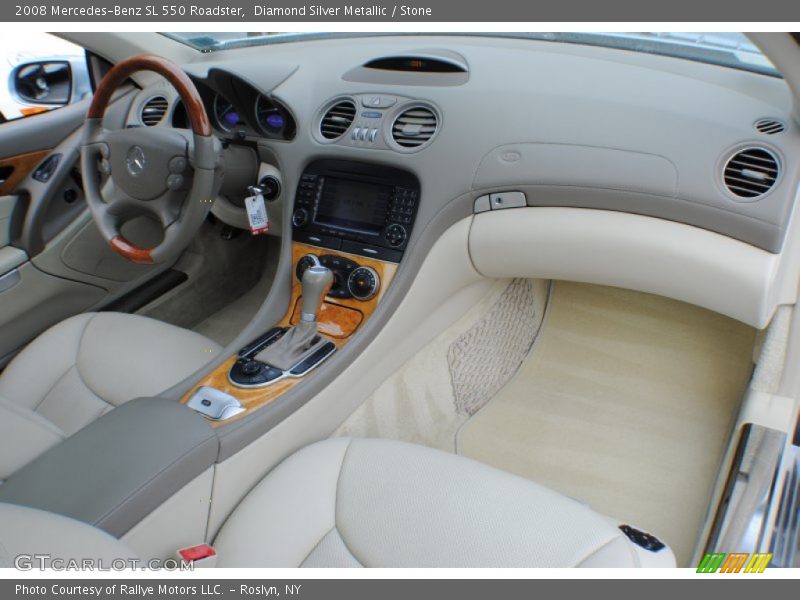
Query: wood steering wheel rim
pixel 198 118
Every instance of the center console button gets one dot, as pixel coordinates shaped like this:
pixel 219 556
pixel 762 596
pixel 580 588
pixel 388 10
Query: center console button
pixel 300 217
pixel 252 367
pixel 214 404
pixel 316 239
pixel 372 251
pixel 378 101
pixel 395 234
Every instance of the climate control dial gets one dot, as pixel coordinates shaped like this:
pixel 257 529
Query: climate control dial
pixel 306 261
pixel 363 283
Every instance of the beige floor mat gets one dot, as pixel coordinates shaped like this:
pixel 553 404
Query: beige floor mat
pixel 224 325
pixel 418 402
pixel 625 402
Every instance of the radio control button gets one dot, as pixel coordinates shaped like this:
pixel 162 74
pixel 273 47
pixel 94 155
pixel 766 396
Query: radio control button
pixel 356 133
pixel 395 234
pixel 300 217
pixel 316 239
pixel 379 252
pixel 372 135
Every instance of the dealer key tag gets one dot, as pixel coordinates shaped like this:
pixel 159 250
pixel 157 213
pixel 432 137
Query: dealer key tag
pixel 257 214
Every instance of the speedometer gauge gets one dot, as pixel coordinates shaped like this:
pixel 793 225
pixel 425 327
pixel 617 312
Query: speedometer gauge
pixel 269 116
pixel 225 113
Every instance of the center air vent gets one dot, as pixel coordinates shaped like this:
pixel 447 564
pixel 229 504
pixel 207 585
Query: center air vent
pixel 414 127
pixel 337 120
pixel 154 110
pixel 751 172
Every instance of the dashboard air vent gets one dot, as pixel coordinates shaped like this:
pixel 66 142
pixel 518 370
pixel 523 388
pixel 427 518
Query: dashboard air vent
pixel 770 126
pixel 154 110
pixel 337 120
pixel 751 172
pixel 414 127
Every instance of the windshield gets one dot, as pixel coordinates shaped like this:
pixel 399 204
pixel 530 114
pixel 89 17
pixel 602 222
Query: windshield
pixel 724 49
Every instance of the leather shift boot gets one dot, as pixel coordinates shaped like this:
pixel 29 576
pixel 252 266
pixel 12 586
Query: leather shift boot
pixel 296 344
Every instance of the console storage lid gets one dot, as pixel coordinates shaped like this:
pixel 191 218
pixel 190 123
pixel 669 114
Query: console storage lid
pixel 119 468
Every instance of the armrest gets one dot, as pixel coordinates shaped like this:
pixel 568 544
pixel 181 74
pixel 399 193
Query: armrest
pixel 118 469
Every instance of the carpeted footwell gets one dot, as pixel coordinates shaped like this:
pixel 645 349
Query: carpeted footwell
pixel 625 402
pixel 432 395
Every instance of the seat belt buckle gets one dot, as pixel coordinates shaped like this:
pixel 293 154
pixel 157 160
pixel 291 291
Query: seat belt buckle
pixel 201 556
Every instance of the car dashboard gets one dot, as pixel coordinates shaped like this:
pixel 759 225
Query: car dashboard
pixel 544 125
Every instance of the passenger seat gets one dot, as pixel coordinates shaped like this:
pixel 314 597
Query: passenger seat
pixel 379 503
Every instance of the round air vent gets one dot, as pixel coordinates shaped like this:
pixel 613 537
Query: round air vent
pixel 414 127
pixel 770 126
pixel 337 120
pixel 751 172
pixel 154 110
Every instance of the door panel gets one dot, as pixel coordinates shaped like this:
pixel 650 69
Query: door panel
pixel 10 259
pixel 15 168
pixel 56 263
pixel 40 132
pixel 7 206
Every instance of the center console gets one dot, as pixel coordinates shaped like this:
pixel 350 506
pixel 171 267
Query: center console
pixel 351 225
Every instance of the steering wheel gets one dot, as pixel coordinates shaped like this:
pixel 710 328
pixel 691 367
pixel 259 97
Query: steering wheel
pixel 168 174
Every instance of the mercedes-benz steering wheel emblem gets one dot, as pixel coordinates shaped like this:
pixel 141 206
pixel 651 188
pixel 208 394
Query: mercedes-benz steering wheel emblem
pixel 135 161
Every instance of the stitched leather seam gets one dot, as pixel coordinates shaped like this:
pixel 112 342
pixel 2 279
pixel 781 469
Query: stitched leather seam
pixel 324 537
pixel 53 428
pixel 336 506
pixel 77 361
pixel 64 374
pixel 317 545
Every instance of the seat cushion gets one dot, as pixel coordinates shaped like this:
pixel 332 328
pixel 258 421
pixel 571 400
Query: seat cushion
pixel 83 367
pixel 382 503
pixel 56 540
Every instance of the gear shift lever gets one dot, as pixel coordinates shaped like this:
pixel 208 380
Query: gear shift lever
pixel 302 339
pixel 316 282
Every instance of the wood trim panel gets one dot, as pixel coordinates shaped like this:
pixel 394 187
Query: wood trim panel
pixel 340 318
pixel 22 165
pixel 385 271
pixel 334 320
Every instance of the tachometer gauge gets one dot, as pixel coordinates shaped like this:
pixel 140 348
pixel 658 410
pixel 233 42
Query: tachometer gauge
pixel 269 117
pixel 225 113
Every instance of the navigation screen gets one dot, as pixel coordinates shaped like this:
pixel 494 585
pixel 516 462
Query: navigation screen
pixel 353 205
